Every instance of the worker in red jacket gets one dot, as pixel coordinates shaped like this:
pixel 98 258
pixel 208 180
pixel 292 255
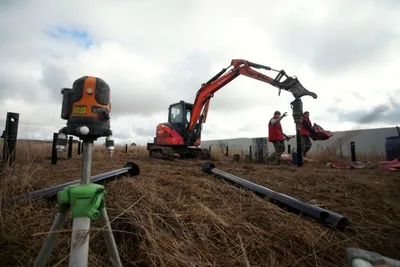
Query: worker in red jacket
pixel 277 137
pixel 305 132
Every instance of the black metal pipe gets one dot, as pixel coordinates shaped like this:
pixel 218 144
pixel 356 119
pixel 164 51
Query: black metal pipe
pixel 297 107
pixel 250 153
pixel 54 149
pixel 70 139
pixel 299 152
pixel 290 203
pixel 353 151
pixel 10 138
pixel 79 147
pixel 131 168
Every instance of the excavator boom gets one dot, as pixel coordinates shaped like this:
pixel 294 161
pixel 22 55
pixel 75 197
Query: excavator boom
pixel 241 67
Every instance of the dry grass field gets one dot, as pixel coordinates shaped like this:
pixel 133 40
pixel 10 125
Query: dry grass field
pixel 172 214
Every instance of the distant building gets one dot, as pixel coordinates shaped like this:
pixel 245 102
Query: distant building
pixel 369 141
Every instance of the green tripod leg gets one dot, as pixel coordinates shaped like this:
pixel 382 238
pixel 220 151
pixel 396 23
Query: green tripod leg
pixel 51 238
pixel 86 202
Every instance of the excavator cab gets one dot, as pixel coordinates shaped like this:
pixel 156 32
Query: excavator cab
pixel 173 137
pixel 179 117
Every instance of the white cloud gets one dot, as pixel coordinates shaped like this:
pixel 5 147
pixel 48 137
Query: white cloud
pixel 154 53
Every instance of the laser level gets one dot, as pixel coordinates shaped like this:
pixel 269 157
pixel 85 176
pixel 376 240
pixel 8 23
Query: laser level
pixel 86 107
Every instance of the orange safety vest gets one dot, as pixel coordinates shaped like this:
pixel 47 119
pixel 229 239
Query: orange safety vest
pixel 275 132
pixel 303 130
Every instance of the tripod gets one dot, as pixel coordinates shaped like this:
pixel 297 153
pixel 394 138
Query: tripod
pixel 86 201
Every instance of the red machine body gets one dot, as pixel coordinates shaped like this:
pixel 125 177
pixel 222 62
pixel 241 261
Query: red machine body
pixel 182 133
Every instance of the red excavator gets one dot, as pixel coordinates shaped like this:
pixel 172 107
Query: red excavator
pixel 181 135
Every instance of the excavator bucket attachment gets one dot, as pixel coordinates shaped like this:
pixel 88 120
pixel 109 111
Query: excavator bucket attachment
pixel 294 86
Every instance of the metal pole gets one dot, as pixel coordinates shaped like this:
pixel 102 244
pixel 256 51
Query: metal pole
pixel 81 226
pixel 251 153
pixel 297 107
pixel 130 168
pixel 54 149
pixel 356 257
pixel 70 147
pixel 47 248
pixel 353 151
pixel 86 162
pixel 80 242
pixel 126 148
pixel 10 137
pixel 79 147
pixel 299 152
pixel 109 238
pixel 290 203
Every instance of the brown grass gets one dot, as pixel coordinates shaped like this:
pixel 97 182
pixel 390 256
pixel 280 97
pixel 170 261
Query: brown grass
pixel 174 215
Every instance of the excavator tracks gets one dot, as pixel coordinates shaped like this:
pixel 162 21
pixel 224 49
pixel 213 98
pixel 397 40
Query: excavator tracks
pixel 161 152
pixel 200 153
pixel 169 153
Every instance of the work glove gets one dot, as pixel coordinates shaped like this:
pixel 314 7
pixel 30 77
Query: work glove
pixel 284 114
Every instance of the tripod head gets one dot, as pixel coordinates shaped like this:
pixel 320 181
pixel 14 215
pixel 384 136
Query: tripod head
pixel 86 108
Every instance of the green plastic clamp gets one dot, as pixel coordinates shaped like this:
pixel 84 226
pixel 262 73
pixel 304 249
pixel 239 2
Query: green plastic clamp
pixel 85 200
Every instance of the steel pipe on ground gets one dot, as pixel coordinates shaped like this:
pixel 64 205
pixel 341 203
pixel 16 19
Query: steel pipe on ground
pixel 129 168
pixel 340 222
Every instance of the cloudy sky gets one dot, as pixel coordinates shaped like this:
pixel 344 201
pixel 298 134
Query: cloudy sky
pixel 154 53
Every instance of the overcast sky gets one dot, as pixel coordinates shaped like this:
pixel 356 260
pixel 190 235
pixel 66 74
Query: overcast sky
pixel 154 53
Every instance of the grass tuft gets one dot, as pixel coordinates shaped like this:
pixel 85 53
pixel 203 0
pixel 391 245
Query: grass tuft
pixel 175 215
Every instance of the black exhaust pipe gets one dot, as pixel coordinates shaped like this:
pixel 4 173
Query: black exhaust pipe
pixel 340 222
pixel 129 168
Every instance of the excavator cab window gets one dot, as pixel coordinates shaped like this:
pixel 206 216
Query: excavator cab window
pixel 180 113
pixel 188 112
pixel 176 113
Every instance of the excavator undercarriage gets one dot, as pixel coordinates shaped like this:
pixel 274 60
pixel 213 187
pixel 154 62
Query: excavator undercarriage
pixel 182 152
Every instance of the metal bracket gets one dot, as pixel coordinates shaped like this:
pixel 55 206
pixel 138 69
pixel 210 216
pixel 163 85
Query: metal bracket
pixel 85 200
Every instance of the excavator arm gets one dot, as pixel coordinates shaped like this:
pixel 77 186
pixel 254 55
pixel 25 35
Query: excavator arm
pixel 241 67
